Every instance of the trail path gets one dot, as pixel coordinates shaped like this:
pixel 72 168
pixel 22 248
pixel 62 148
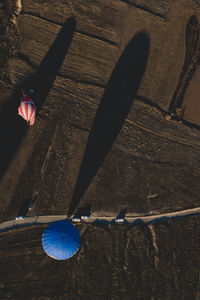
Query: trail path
pixel 28 221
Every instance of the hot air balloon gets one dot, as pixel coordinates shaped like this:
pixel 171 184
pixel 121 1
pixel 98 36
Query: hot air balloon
pixel 27 109
pixel 61 240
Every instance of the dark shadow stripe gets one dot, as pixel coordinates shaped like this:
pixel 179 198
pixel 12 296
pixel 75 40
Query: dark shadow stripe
pixel 12 127
pixel 114 107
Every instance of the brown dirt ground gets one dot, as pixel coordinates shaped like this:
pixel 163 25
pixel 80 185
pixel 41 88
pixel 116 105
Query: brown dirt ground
pixel 159 261
pixel 90 147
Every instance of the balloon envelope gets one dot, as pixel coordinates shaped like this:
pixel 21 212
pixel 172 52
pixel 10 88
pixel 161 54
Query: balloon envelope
pixel 61 240
pixel 27 109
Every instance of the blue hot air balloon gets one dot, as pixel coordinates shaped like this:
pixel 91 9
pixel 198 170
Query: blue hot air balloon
pixel 61 240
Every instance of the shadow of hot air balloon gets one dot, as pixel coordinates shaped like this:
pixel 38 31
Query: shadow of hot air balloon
pixel 12 127
pixel 43 79
pixel 112 112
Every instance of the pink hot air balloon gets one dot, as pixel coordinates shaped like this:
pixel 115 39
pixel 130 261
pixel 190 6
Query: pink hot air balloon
pixel 27 109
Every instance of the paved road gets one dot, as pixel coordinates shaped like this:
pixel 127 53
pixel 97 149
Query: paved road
pixel 28 221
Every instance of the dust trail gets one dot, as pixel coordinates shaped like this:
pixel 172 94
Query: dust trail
pixel 16 12
pixel 126 252
pixel 44 166
pixel 155 246
pixel 116 253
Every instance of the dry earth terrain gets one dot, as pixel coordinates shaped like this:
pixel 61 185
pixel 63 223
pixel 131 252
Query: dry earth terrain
pixel 154 261
pixel 104 73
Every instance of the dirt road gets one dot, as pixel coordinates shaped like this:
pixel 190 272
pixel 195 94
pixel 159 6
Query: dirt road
pixel 28 221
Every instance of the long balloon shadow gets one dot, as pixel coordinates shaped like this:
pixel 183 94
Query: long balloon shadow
pixel 112 111
pixel 12 127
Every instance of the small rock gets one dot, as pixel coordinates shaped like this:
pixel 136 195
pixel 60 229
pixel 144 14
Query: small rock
pixel 151 196
pixel 168 117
